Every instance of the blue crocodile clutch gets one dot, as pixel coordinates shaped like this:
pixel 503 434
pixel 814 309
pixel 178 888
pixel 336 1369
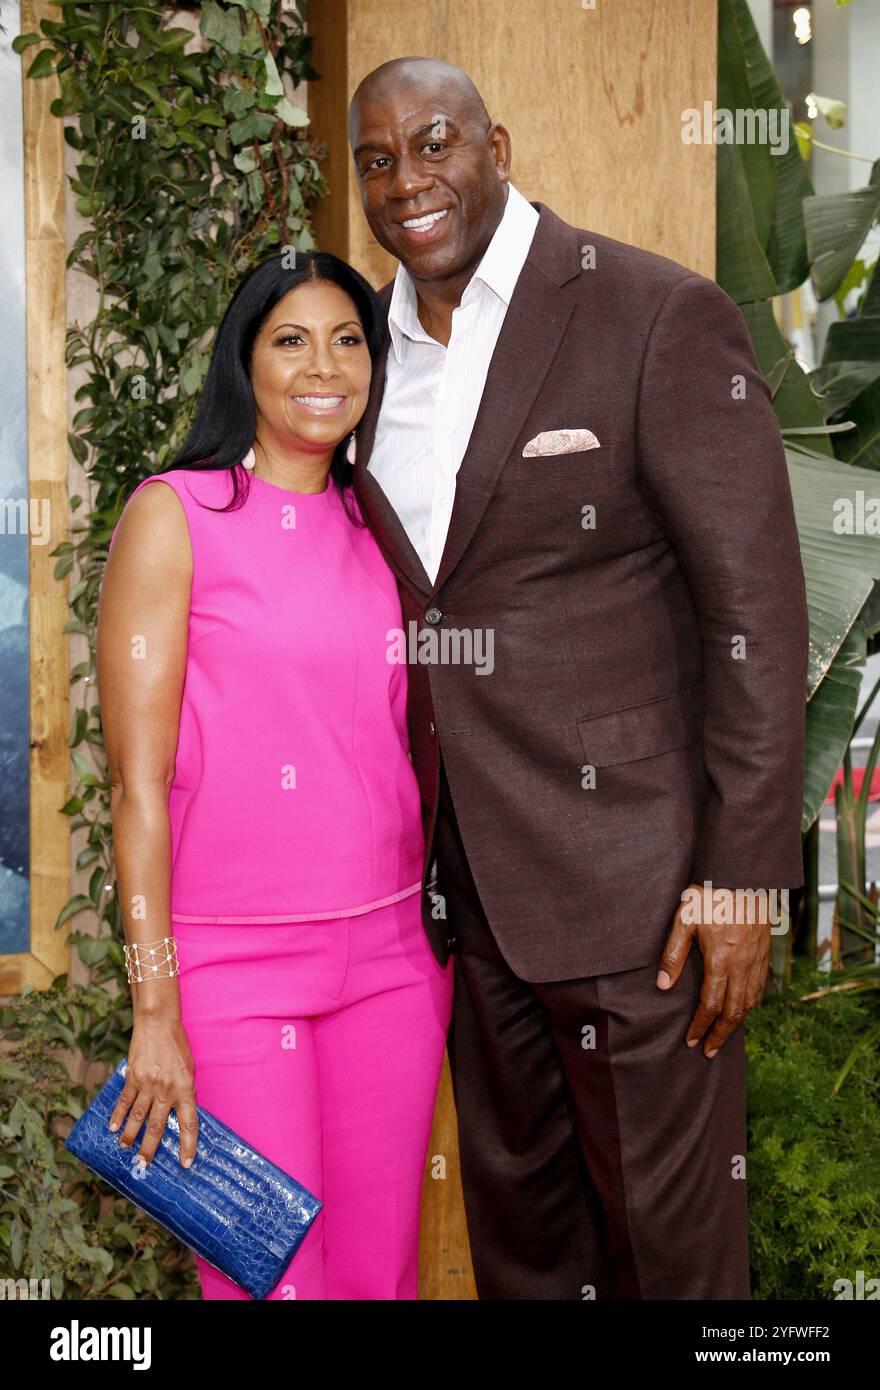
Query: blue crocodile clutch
pixel 241 1213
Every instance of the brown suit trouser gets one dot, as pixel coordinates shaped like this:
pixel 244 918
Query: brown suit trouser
pixel 600 1156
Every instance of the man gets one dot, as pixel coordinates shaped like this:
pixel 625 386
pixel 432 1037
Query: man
pixel 572 464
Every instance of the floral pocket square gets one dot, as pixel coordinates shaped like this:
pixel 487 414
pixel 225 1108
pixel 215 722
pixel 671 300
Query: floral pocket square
pixel 560 442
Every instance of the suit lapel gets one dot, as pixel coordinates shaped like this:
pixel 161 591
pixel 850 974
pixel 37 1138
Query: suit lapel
pixel 533 326
pixel 535 321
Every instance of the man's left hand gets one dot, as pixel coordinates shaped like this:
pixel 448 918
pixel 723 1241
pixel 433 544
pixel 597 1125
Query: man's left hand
pixel 736 960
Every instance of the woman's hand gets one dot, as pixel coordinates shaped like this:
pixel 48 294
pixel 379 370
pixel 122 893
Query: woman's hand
pixel 160 1077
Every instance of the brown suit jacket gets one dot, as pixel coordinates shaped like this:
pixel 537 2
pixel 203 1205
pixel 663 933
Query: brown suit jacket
pixel 665 647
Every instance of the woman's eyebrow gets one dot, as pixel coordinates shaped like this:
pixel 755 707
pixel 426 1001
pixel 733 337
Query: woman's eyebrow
pixel 301 328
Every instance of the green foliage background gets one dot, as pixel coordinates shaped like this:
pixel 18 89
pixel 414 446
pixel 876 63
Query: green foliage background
pixel 814 1156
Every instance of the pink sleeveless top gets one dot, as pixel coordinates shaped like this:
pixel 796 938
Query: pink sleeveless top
pixel 293 793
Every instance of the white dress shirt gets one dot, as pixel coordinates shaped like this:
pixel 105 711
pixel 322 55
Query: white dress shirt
pixel 432 393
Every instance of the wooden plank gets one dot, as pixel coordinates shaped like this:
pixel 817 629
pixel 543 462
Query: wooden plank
pixel 45 265
pixel 327 106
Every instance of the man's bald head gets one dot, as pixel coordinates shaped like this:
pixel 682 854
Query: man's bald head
pixel 431 166
pixel 428 73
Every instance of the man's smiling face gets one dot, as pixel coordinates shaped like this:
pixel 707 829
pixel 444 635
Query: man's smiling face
pixel 431 170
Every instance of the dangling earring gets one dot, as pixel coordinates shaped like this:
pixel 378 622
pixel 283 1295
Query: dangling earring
pixel 250 460
pixel 351 451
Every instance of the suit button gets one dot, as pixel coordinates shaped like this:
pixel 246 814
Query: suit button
pixel 433 616
pixel 433 730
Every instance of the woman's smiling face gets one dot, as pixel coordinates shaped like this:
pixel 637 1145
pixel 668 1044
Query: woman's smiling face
pixel 310 369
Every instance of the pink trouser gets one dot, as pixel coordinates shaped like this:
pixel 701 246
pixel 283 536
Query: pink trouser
pixel 321 1043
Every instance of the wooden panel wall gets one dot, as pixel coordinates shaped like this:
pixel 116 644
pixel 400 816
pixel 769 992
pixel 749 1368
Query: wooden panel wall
pixel 592 95
pixel 592 98
pixel 47 479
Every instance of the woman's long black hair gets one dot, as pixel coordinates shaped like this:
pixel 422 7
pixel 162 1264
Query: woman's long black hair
pixel 226 416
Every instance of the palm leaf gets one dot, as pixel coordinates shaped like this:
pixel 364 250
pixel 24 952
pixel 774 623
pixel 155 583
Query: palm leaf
pixel 793 399
pixel 836 225
pixel 776 184
pixel 830 716
pixel 839 574
pixel 862 445
pixel 839 569
pixel 836 384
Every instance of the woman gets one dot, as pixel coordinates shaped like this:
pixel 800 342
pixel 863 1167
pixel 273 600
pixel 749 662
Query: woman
pixel 266 815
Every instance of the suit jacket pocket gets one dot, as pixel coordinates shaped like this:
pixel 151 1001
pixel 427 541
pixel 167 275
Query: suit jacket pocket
pixel 581 465
pixel 539 468
pixel 643 731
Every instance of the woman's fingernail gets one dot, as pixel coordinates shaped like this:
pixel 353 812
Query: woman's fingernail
pixel 187 1163
pixel 114 1125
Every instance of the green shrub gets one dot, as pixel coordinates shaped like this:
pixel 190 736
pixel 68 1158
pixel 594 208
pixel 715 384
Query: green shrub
pixel 814 1157
pixel 58 1221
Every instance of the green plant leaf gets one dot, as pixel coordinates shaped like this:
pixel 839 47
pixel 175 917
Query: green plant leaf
pixel 24 41
pixel 43 65
pixel 831 713
pixel 839 568
pixel 837 224
pixel 837 384
pixel 804 135
pixel 71 908
pixel 793 399
pixel 291 115
pixel 256 126
pixel 862 446
pixel 776 183
pixel 221 27
pixel 274 85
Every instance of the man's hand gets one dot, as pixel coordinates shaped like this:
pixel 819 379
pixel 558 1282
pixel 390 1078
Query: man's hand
pixel 736 958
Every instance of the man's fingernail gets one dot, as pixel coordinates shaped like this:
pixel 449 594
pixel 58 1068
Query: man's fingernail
pixel 187 1163
pixel 114 1125
pixel 692 1042
pixel 663 980
pixel 713 1053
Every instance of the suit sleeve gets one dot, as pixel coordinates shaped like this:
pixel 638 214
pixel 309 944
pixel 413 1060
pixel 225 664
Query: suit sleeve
pixel 713 472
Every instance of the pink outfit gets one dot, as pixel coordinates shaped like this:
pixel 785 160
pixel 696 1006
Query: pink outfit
pixel 314 1006
pixel 321 1043
pixel 293 795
